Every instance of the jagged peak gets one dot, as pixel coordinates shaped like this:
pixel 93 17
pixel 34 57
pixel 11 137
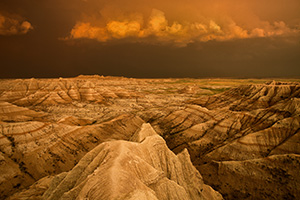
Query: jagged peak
pixel 129 170
pixel 145 131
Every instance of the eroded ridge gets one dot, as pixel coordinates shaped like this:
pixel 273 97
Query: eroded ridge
pixel 143 168
pixel 244 123
pixel 59 137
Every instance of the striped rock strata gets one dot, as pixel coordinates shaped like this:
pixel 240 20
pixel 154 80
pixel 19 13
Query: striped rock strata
pixel 54 129
pixel 143 168
pixel 32 92
pixel 244 123
pixel 32 150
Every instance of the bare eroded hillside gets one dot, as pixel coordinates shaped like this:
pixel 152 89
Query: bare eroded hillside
pixel 149 138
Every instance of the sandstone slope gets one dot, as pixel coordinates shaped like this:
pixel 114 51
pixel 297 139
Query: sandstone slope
pixel 32 150
pixel 143 168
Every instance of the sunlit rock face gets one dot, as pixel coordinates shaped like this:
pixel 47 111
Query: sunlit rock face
pixel 101 137
pixel 142 168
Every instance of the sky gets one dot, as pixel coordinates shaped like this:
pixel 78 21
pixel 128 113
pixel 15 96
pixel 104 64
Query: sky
pixel 150 38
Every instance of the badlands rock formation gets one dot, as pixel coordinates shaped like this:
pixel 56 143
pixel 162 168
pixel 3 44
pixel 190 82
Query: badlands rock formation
pixel 143 168
pixel 101 137
pixel 234 136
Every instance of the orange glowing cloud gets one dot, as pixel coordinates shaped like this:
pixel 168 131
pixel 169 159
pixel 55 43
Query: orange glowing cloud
pixel 158 29
pixel 13 26
pixel 123 29
pixel 85 30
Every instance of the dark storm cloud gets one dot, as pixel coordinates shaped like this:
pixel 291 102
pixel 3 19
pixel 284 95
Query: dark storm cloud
pixel 13 25
pixel 156 38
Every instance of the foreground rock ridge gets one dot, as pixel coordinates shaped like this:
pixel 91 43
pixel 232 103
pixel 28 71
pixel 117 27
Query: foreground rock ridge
pixel 94 137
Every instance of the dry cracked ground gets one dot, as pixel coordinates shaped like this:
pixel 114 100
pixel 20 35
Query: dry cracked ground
pixel 94 137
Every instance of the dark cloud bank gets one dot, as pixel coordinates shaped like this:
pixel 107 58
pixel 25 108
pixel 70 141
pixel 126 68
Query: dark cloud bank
pixel 142 39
